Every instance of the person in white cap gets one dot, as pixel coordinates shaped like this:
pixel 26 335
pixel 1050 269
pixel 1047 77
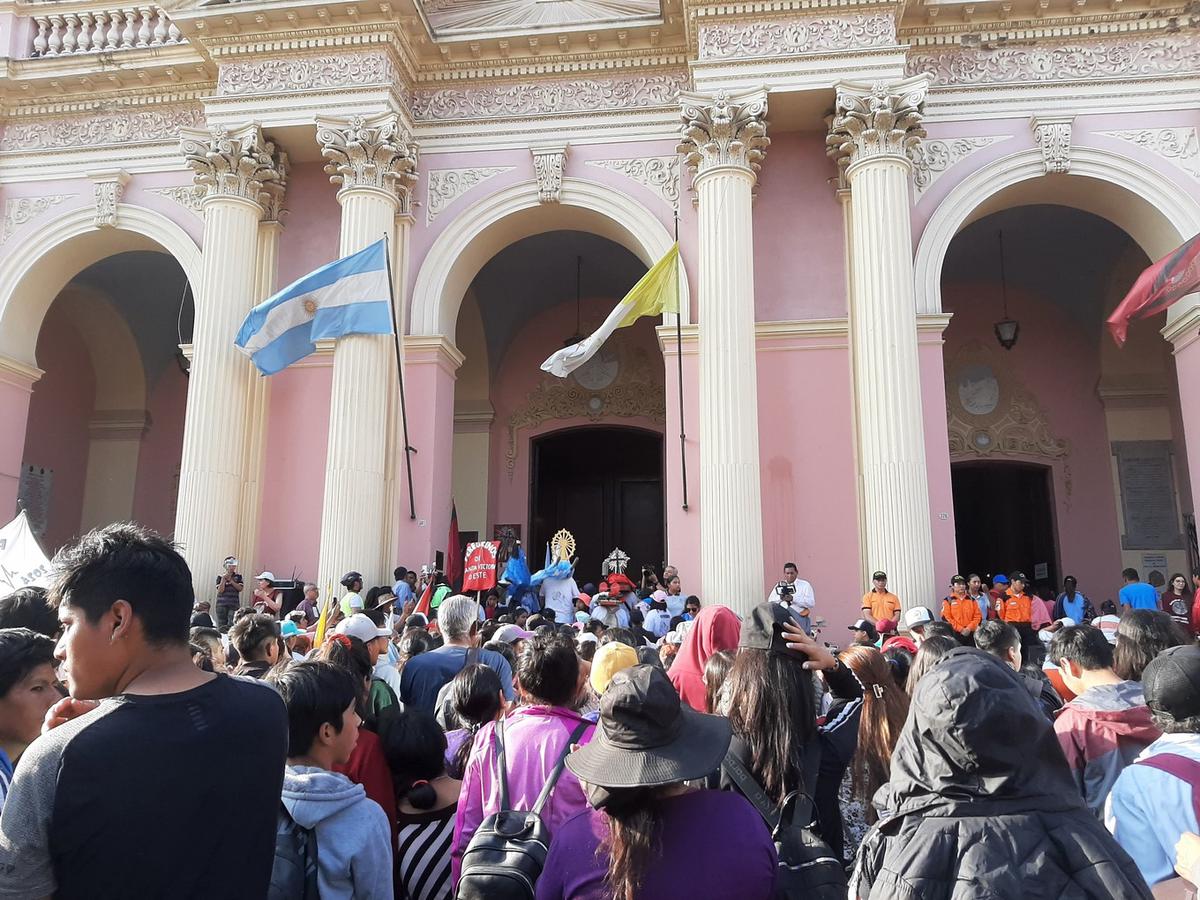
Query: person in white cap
pixel 229 589
pixel 266 598
pixel 915 620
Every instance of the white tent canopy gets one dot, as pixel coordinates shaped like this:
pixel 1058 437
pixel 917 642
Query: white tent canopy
pixel 23 563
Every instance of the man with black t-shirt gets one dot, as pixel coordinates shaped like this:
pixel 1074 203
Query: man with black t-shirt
pixel 110 802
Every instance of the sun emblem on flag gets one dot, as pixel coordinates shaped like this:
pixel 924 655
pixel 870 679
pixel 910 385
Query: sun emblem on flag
pixel 310 306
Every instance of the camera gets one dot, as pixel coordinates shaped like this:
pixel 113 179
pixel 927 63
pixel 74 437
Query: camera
pixel 783 589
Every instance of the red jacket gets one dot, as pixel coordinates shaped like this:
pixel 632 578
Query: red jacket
pixel 368 766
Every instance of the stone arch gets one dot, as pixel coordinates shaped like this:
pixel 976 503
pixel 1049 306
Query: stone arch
pixel 116 359
pixel 55 252
pixel 494 222
pixel 1145 204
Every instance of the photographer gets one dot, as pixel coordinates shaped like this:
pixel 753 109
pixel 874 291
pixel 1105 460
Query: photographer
pixel 792 589
pixel 229 589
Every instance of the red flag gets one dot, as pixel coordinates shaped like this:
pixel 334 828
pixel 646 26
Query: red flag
pixel 422 606
pixel 1174 276
pixel 454 554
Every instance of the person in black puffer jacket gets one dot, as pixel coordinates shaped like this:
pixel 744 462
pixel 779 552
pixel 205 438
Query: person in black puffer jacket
pixel 981 802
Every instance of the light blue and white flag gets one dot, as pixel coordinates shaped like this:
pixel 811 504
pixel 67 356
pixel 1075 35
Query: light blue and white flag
pixel 348 296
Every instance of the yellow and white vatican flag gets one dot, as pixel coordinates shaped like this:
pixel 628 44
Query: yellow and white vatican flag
pixel 655 294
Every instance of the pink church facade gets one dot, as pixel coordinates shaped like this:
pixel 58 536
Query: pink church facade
pixel 860 192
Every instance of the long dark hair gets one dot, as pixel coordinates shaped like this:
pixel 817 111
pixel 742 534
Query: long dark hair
pixel 412 642
pixel 415 749
pixel 931 650
pixel 716 670
pixel 771 707
pixel 351 654
pixel 475 693
pixel 1141 636
pixel 885 707
pixel 633 827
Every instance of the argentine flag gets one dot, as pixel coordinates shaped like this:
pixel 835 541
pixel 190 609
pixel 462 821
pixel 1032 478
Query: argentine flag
pixel 348 296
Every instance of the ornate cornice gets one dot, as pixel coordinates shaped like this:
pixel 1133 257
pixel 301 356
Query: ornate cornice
pixel 101 128
pixel 374 153
pixel 447 185
pixel 794 36
pixel 871 121
pixel 1180 145
pixel 232 164
pixel 724 130
pixel 302 73
pixel 656 173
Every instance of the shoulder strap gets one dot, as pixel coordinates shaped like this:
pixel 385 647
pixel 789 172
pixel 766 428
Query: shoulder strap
pixel 544 796
pixel 750 789
pixel 501 775
pixel 1182 767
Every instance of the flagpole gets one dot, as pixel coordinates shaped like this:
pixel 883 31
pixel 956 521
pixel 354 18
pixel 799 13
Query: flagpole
pixel 679 361
pixel 408 448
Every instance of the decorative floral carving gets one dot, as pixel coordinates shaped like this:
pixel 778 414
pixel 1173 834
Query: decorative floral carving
pixel 447 185
pixel 1068 61
pixel 931 159
pixel 374 153
pixel 1180 145
pixel 548 164
pixel 789 37
pixel 22 210
pixel 185 195
pixel 1053 136
pixel 1016 425
pixel 235 164
pixel 108 188
pixel 658 173
pixel 637 391
pixel 543 98
pixel 876 120
pixel 724 130
pixel 101 128
pixel 293 74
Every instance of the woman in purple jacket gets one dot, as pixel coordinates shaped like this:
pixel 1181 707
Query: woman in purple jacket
pixel 535 735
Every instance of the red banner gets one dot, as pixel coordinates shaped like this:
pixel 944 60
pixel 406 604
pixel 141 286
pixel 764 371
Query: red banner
pixel 1171 278
pixel 479 572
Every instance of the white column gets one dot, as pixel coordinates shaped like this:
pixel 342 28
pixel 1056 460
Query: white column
pixel 113 450
pixel 874 127
pixel 373 161
pixel 724 138
pixel 258 402
pixel 234 169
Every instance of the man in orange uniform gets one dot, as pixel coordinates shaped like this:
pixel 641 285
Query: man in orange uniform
pixel 1016 608
pixel 880 603
pixel 959 610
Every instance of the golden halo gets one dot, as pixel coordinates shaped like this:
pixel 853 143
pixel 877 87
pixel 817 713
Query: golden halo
pixel 562 545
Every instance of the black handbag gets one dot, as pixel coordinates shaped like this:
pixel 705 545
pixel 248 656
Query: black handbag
pixel 505 857
pixel 808 868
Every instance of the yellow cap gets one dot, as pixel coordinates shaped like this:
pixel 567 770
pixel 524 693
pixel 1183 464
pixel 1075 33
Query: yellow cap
pixel 608 661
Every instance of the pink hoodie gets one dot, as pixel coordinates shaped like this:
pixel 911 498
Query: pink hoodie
pixel 716 628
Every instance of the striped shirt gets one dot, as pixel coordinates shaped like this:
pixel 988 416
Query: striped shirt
pixel 423 853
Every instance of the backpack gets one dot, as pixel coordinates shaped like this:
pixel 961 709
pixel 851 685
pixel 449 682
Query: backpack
pixel 443 706
pixel 808 869
pixel 294 871
pixel 505 857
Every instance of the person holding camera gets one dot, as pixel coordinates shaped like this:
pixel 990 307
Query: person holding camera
pixel 229 589
pixel 792 589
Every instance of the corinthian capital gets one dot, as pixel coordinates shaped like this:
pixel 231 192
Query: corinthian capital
pixel 369 153
pixel 876 120
pixel 724 130
pixel 240 163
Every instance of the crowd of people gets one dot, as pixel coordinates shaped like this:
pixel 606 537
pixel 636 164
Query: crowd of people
pixel 624 741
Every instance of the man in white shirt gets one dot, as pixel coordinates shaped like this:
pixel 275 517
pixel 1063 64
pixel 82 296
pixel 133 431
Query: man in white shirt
pixel 800 589
pixel 559 595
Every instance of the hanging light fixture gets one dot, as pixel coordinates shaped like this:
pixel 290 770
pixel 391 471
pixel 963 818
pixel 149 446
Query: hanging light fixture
pixel 578 335
pixel 1006 329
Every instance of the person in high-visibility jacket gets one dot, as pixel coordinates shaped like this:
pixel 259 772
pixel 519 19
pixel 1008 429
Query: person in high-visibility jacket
pixel 960 610
pixel 1016 606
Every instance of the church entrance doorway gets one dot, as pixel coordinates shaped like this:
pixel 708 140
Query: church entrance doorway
pixel 605 486
pixel 1004 520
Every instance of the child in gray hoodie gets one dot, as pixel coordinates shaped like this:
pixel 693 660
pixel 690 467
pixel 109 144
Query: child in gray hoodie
pixel 353 835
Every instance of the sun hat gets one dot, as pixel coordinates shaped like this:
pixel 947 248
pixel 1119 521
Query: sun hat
pixel 384 599
pixel 288 629
pixel 647 738
pixel 1171 682
pixel 763 629
pixel 361 627
pixel 610 659
pixel 510 632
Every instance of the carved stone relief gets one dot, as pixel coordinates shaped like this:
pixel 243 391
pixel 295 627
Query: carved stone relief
pixel 22 210
pixel 107 190
pixel 447 185
pixel 932 159
pixel 99 128
pixel 1053 136
pixel 878 119
pixel 1070 61
pixel 375 153
pixel 489 101
pixel 724 130
pixel 548 165
pixel 658 173
pixel 305 73
pixel 1179 145
pixel 789 37
pixel 185 195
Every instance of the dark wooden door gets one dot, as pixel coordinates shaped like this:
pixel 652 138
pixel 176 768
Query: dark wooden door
pixel 604 485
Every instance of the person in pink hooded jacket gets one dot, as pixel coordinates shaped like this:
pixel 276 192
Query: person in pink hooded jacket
pixel 535 735
pixel 716 628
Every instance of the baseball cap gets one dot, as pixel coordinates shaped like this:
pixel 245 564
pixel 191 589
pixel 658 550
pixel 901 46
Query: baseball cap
pixel 899 640
pixel 231 561
pixel 610 659
pixel 763 629
pixel 288 629
pixel 883 626
pixel 361 627
pixel 1000 579
pixel 1171 682
pixel 1019 576
pixel 509 633
pixel 864 625
pixel 879 576
pixel 588 638
pixel 917 617
pixel 266 576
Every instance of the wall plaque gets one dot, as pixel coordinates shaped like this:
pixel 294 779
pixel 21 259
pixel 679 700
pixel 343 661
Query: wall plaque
pixel 1147 495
